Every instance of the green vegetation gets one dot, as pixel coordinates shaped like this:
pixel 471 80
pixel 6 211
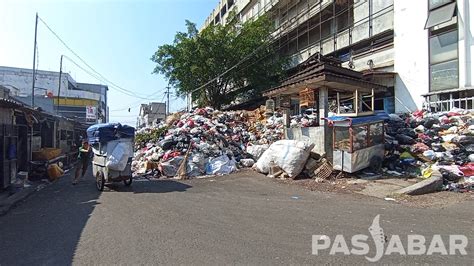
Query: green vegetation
pixel 195 58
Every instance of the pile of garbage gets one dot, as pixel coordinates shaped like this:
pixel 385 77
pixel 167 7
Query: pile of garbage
pixel 204 142
pixel 421 142
pixel 309 118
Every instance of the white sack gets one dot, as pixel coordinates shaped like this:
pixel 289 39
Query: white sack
pixel 118 159
pixel 289 155
pixel 256 150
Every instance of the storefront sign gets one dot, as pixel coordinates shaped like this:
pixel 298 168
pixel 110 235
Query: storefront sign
pixel 91 113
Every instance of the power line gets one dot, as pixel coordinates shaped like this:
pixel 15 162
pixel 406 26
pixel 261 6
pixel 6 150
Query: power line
pixel 280 29
pixel 112 84
pixel 100 79
pixel 132 105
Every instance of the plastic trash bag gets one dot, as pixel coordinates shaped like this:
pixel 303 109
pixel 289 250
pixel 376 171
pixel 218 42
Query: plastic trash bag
pixel 247 162
pixel 404 139
pixel 430 154
pixel 257 150
pixel 221 165
pixel 427 172
pixel 118 159
pixel 170 168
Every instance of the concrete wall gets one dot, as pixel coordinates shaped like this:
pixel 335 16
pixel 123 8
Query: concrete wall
pixel 314 135
pixel 411 54
pixel 6 115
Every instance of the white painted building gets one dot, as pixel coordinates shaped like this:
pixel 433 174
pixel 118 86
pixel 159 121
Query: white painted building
pixel 386 39
pixel 74 98
pixel 151 114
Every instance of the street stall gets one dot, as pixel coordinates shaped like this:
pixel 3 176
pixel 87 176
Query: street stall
pixel 112 147
pixel 321 88
pixel 358 142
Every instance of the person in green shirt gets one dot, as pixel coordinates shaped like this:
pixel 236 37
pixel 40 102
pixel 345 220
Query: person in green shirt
pixel 83 161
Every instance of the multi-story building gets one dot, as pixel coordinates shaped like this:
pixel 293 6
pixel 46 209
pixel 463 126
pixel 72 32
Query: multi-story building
pixel 151 114
pixel 420 50
pixel 83 102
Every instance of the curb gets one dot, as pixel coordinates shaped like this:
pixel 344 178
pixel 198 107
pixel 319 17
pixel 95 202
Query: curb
pixel 13 200
pixel 23 194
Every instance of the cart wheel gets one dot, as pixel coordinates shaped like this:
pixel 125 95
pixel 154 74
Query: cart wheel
pixel 100 180
pixel 376 164
pixel 128 182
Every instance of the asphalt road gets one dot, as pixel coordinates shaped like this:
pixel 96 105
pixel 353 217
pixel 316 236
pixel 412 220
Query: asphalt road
pixel 239 219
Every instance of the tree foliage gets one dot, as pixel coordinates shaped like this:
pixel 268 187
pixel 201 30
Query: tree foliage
pixel 244 52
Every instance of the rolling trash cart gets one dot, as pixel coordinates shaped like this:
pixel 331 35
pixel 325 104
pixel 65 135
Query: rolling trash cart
pixel 112 147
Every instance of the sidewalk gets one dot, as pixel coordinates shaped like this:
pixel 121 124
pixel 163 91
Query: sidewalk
pixel 10 199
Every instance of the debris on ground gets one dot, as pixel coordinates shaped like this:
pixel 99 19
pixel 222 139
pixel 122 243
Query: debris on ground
pixel 419 143
pixel 211 142
pixel 216 142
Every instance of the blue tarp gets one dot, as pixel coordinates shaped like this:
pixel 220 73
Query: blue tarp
pixel 103 133
pixel 377 117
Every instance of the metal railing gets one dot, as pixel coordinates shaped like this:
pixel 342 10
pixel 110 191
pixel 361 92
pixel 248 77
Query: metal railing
pixel 449 104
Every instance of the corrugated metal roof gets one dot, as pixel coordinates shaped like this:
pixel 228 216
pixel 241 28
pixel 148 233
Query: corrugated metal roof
pixel 10 103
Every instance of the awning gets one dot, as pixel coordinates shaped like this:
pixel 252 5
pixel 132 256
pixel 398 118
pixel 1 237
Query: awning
pixel 344 121
pixel 440 15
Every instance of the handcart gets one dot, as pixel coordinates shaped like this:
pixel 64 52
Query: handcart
pixel 112 147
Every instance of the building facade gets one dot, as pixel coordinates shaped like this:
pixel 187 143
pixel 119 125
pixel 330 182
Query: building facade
pixel 151 114
pixel 83 102
pixel 420 50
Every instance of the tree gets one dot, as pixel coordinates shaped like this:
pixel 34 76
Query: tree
pixel 244 53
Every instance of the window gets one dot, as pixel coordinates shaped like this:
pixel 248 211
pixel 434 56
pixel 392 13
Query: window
pixel 230 3
pixel 359 137
pixel 444 75
pixel 440 15
pixel 223 10
pixel 376 134
pixel 217 19
pixel 342 139
pixel 444 69
pixel 437 3
pixel 443 44
pixel 443 47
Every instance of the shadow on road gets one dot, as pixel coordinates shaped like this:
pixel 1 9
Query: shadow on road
pixel 46 229
pixel 151 186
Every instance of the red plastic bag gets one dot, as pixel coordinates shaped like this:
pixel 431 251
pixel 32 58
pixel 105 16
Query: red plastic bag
pixel 418 113
pixel 453 114
pixel 467 169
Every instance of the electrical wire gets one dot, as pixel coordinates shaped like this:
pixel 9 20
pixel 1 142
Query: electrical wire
pixel 111 84
pixel 100 79
pixel 295 20
pixel 132 105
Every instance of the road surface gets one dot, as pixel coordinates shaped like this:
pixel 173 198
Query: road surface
pixel 240 219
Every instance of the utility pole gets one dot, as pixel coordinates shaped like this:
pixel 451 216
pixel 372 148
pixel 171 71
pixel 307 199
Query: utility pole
pixel 187 102
pixel 59 86
pixel 34 65
pixel 30 154
pixel 168 101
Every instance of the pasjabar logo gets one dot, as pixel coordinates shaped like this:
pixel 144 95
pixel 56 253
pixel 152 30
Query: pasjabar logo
pixel 414 244
pixel 379 239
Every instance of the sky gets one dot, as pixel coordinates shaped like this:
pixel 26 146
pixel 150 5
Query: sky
pixel 115 37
